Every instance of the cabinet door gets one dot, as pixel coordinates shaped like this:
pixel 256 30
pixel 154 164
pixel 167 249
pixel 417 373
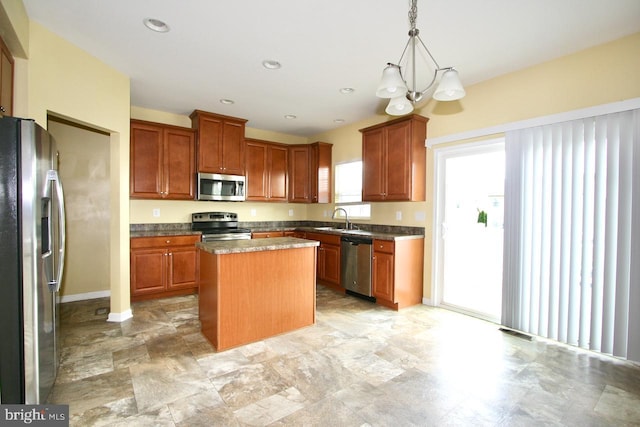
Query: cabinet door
pixel 321 187
pixel 257 178
pixel 233 148
pixel 373 165
pixel 6 80
pixel 278 166
pixel 398 158
pixel 331 264
pixel 179 168
pixel 146 161
pixel 299 174
pixel 383 276
pixel 182 267
pixel 148 271
pixel 209 144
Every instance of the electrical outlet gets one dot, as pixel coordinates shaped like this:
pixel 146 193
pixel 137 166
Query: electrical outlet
pixel 399 215
pixel 253 212
pixel 156 213
pixel 421 216
pixel 290 212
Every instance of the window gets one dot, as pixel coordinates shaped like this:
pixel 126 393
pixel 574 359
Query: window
pixel 349 190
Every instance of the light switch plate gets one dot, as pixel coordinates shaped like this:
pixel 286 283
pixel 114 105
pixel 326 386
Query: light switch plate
pixel 399 215
pixel 156 213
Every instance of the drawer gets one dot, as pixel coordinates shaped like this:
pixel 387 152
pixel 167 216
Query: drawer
pixel 266 234
pixel 386 246
pixel 330 239
pixel 164 241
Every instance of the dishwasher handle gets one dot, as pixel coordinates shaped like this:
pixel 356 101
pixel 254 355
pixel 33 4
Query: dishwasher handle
pixel 356 240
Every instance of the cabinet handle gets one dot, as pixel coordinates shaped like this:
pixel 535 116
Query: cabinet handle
pixel 168 241
pixel 2 109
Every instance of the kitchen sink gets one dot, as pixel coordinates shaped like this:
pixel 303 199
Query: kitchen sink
pixel 362 232
pixel 343 231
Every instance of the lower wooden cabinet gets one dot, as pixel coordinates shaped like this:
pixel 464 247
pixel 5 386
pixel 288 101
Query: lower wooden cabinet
pixel 397 277
pixel 163 266
pixel 328 260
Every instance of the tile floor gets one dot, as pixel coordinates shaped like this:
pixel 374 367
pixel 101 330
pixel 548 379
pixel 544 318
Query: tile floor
pixel 359 365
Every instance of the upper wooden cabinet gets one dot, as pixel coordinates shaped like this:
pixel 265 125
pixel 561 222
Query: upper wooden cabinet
pixel 310 173
pixel 6 80
pixel 267 174
pixel 394 160
pixel 220 143
pixel 162 161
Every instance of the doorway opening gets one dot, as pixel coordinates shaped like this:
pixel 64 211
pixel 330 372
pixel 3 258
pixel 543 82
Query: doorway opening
pixel 469 229
pixel 84 167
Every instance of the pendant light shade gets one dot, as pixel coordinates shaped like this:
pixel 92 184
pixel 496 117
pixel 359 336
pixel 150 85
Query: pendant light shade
pixel 399 106
pixel 391 84
pixel 450 87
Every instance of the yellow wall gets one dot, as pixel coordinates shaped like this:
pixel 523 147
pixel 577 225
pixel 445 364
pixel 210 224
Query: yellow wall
pixel 64 81
pixel 60 79
pixel 600 75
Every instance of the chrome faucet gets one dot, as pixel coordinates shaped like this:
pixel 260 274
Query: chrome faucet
pixel 347 224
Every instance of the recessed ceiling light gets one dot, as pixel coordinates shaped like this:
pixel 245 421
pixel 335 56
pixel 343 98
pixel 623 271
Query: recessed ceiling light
pixel 227 101
pixel 347 90
pixel 156 25
pixel 338 121
pixel 271 64
pixel 290 117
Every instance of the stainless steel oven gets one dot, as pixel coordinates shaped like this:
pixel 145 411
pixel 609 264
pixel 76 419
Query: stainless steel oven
pixel 219 226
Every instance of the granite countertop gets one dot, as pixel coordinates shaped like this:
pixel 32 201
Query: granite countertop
pixel 160 233
pixel 254 245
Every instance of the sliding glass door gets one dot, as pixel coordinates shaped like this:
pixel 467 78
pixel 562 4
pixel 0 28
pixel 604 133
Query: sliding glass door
pixel 469 201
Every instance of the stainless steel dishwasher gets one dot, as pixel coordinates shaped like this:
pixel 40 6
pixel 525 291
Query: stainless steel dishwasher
pixel 355 262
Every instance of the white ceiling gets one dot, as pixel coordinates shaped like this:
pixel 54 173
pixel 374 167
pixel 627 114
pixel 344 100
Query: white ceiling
pixel 215 48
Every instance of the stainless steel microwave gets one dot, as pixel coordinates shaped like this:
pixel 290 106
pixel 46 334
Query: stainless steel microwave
pixel 213 186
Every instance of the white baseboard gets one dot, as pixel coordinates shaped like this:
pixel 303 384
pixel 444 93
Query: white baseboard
pixel 427 301
pixel 120 317
pixel 85 296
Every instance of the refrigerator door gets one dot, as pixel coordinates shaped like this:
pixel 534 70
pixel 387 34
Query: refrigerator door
pixel 31 246
pixel 46 219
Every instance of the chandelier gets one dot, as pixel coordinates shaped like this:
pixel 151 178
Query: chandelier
pixel 394 83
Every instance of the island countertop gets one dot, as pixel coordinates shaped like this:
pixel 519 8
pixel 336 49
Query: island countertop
pixel 222 247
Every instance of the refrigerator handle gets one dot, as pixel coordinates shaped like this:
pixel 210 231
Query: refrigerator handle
pixel 52 176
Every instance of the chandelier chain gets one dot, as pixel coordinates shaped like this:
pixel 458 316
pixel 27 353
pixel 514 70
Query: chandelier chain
pixel 413 14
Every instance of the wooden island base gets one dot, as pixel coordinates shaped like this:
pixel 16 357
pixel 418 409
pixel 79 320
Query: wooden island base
pixel 248 296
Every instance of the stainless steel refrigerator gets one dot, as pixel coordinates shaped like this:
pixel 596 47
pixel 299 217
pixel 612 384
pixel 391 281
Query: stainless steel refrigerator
pixel 32 241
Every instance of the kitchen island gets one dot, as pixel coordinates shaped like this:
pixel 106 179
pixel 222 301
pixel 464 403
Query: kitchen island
pixel 253 289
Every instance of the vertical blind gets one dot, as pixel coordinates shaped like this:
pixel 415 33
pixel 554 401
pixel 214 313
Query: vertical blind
pixel 572 226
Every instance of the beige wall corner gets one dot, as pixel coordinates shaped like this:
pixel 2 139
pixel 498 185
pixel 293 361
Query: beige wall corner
pixel 67 82
pixel 14 27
